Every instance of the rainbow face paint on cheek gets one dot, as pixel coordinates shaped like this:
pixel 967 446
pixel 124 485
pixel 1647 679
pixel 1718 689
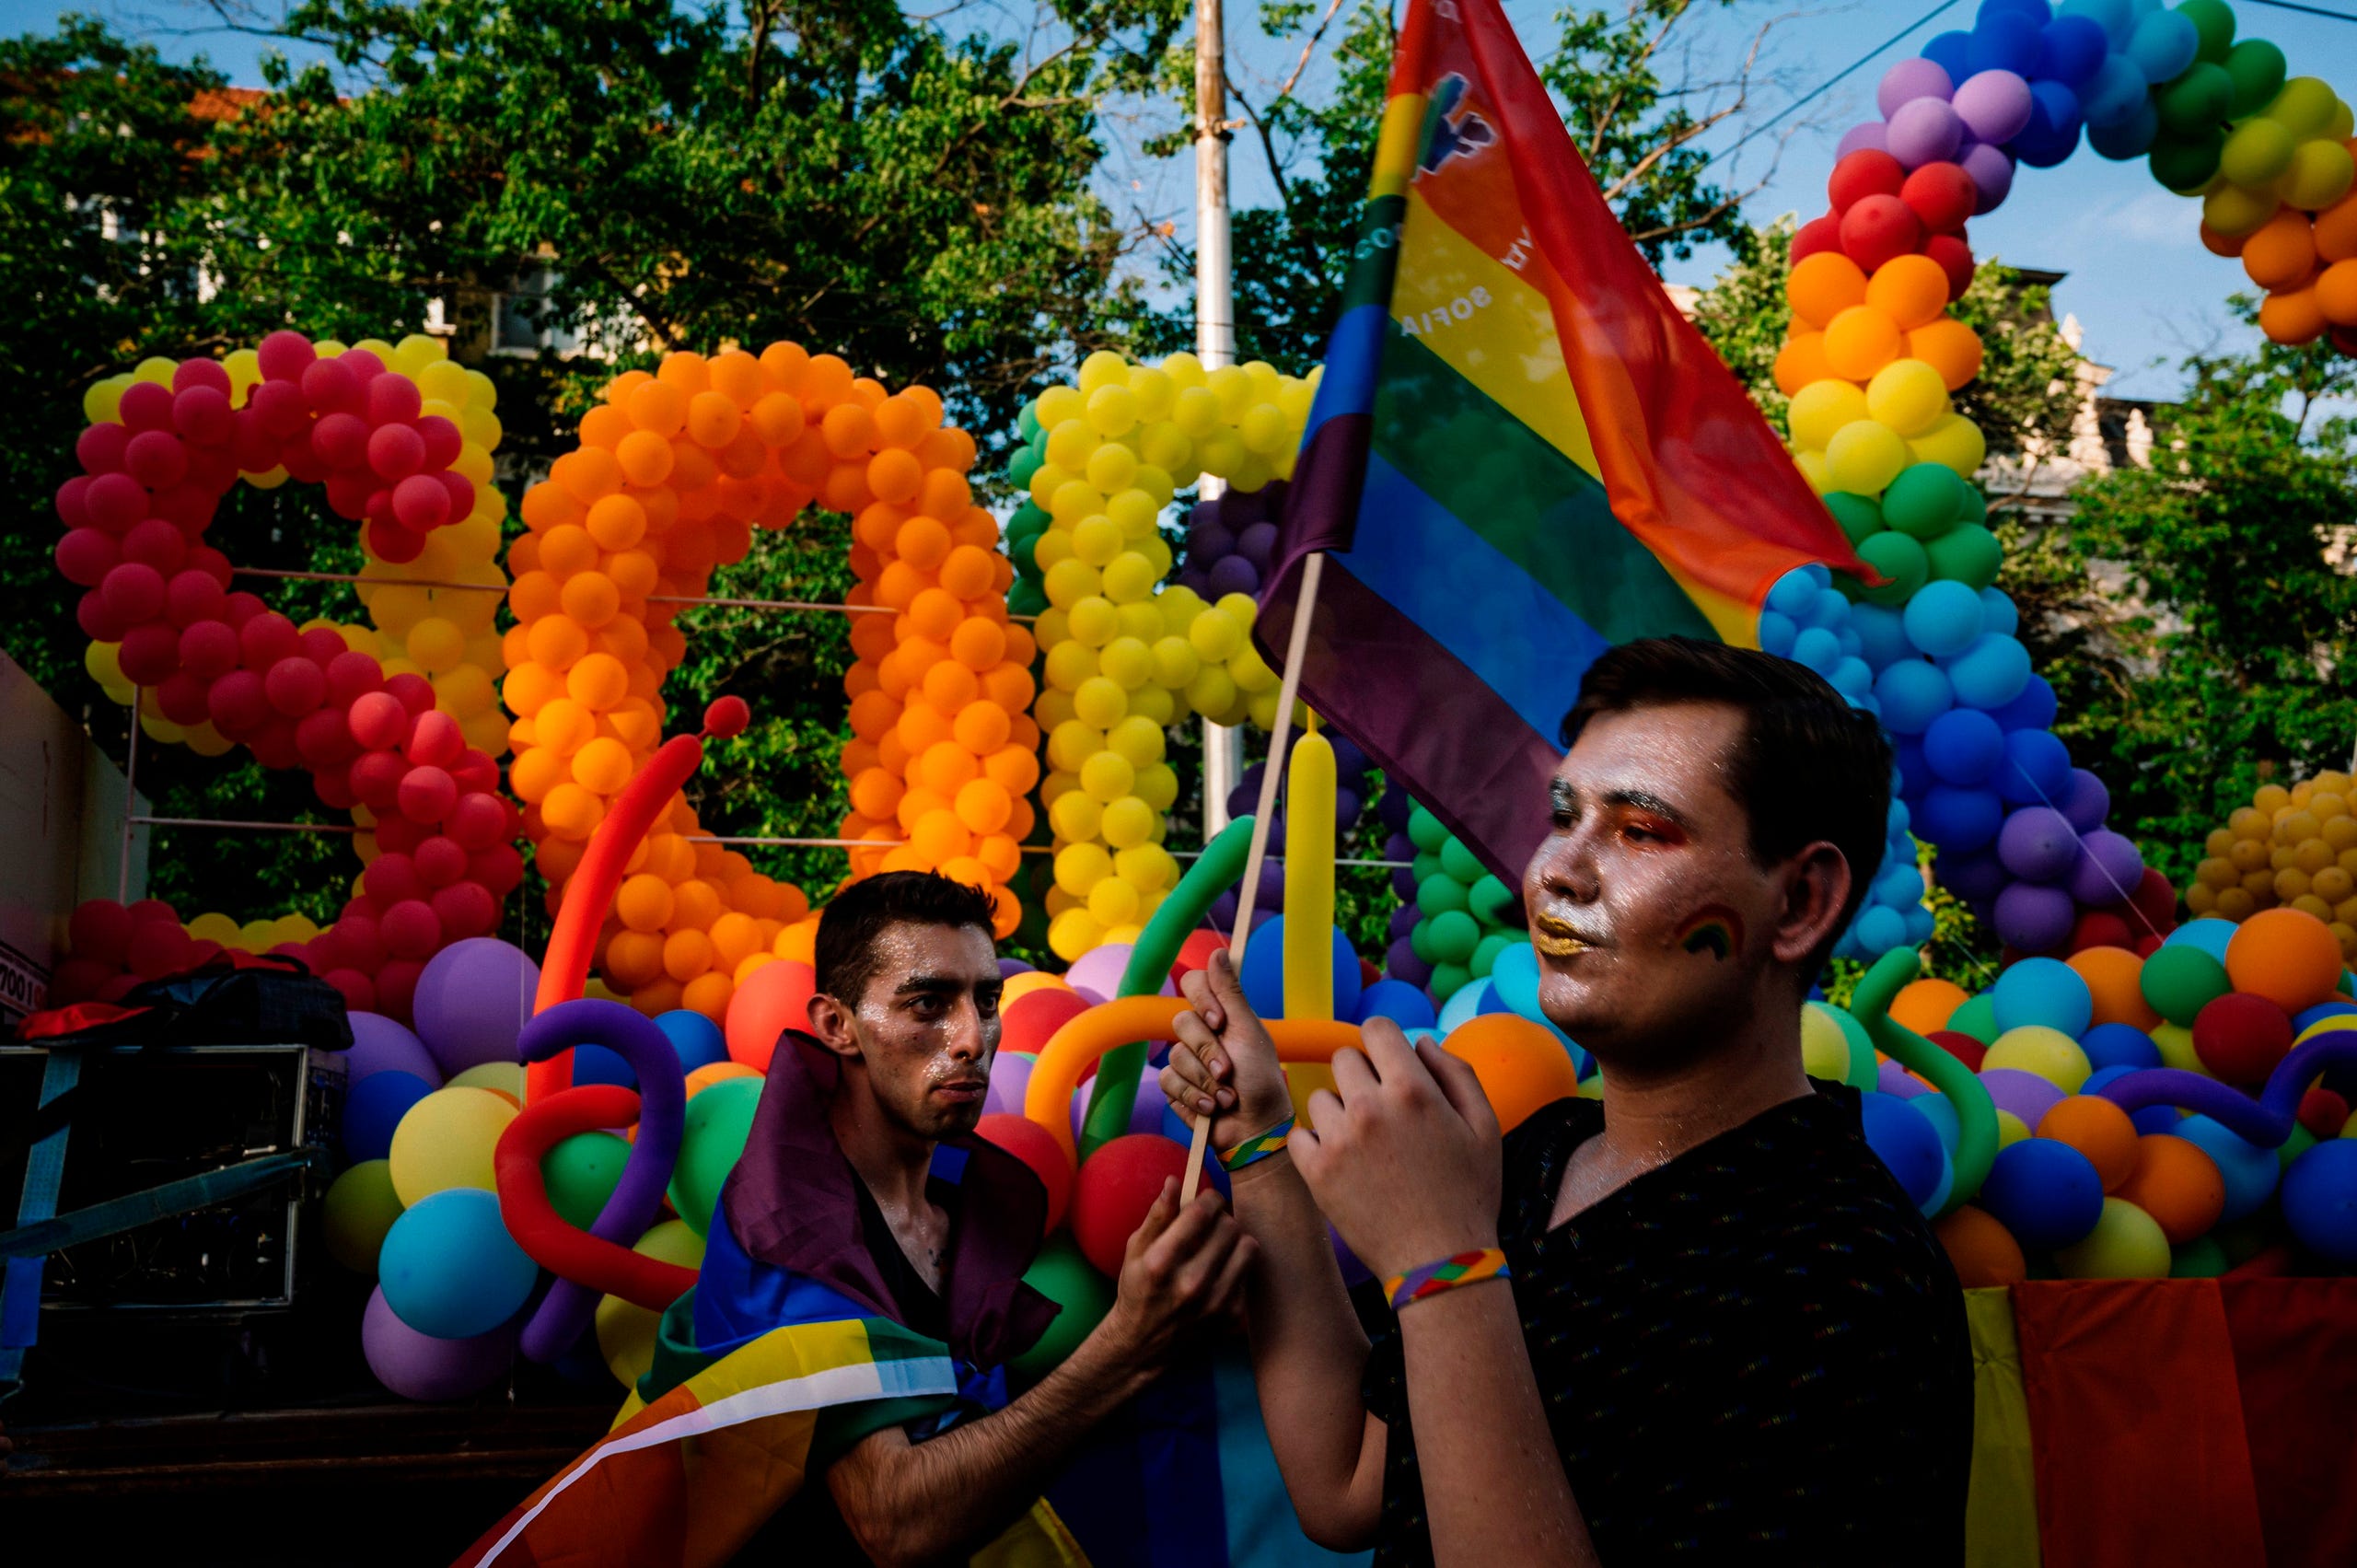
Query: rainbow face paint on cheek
pixel 1713 929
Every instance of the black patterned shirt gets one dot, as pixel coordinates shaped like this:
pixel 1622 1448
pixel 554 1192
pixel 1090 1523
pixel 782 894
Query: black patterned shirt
pixel 1754 1354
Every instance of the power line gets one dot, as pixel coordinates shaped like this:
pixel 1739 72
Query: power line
pixel 1823 86
pixel 2306 10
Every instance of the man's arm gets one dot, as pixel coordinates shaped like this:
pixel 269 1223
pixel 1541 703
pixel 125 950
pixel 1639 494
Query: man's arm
pixel 1308 1351
pixel 915 1503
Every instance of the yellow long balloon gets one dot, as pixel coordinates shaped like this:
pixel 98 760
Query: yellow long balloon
pixel 1309 881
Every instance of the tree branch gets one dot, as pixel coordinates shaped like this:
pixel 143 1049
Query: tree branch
pixel 1333 9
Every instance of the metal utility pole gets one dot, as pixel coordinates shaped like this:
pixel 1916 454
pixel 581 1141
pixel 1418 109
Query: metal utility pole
pixel 1214 328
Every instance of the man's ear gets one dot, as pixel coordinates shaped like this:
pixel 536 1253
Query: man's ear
pixel 830 1026
pixel 1816 884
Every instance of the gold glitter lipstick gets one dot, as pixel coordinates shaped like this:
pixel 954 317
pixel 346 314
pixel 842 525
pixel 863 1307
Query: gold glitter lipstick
pixel 1553 938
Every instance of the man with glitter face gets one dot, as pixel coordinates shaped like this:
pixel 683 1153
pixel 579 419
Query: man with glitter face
pixel 1723 1334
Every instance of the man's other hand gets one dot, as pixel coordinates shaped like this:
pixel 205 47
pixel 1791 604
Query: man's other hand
pixel 1183 1268
pixel 1222 1060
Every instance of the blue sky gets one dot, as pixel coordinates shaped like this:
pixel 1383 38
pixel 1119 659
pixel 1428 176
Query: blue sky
pixel 2138 279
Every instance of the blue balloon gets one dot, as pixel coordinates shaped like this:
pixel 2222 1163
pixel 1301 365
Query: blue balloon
pixel 2119 1045
pixel 2037 769
pixel 2034 709
pixel 2111 97
pixel 1264 972
pixel 2129 137
pixel 1878 929
pixel 1914 770
pixel 1795 594
pixel 1940 1111
pixel 2320 1201
pixel 1898 886
pixel 1830 610
pixel 2003 42
pixel 2071 49
pixel 1882 634
pixel 1776 635
pixel 1997 611
pixel 2047 1193
pixel 1920 926
pixel 2043 991
pixel 1514 977
pixel 1960 819
pixel 2210 934
pixel 2309 1017
pixel 1991 673
pixel 1912 694
pixel 2116 17
pixel 2154 1118
pixel 449 1268
pixel 1943 618
pixel 596 1064
pixel 2053 133
pixel 2038 11
pixel 1964 746
pixel 696 1037
pixel 1952 52
pixel 1462 1007
pixel 1404 1005
pixel 2103 1075
pixel 1906 1143
pixel 1851 678
pixel 374 1108
pixel 1818 649
pixel 2163 45
pixel 2250 1171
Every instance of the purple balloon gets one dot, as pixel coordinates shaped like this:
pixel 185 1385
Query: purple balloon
pixel 1098 970
pixel 2038 845
pixel 1231 574
pixel 382 1045
pixel 1993 105
pixel 1897 1081
pixel 2026 1095
pixel 1209 542
pixel 2033 919
pixel 1404 917
pixel 1010 1077
pixel 1991 171
pixel 2109 870
pixel 1974 875
pixel 1400 962
pixel 419 1366
pixel 1926 130
pixel 1258 544
pixel 2086 802
pixel 1009 968
pixel 1867 135
pixel 472 1002
pixel 1910 80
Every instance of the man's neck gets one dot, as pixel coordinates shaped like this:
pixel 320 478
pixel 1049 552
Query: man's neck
pixel 894 1162
pixel 1656 1112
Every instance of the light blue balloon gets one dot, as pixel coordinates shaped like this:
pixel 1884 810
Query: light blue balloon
pixel 1943 618
pixel 1898 886
pixel 1514 977
pixel 449 1269
pixel 1776 633
pixel 1852 678
pixel 2116 17
pixel 1817 648
pixel 2163 45
pixel 1997 612
pixel 1830 611
pixel 1990 672
pixel 2115 92
pixel 2129 137
pixel 1940 1111
pixel 1879 929
pixel 2210 934
pixel 1912 694
pixel 1795 594
pixel 1882 634
pixel 2250 1171
pixel 1920 926
pixel 2044 991
pixel 1461 1008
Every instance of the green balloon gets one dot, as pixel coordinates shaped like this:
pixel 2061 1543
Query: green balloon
pixel 2257 152
pixel 1490 902
pixel 1975 509
pixel 1485 956
pixel 2298 1144
pixel 1064 1277
pixel 2181 980
pixel 1449 979
pixel 1026 596
pixel 1459 861
pixel 1898 558
pixel 582 1173
pixel 2256 67
pixel 2213 22
pixel 1976 1017
pixel 1438 894
pixel 2186 164
pixel 2199 1259
pixel 1968 553
pixel 1454 937
pixel 1859 517
pixel 1025 463
pixel 1423 866
pixel 1028 421
pixel 719 1121
pixel 1426 832
pixel 2304 106
pixel 2196 102
pixel 361 1207
pixel 1923 501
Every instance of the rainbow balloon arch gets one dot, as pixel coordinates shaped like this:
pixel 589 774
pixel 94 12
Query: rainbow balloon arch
pixel 2130 1100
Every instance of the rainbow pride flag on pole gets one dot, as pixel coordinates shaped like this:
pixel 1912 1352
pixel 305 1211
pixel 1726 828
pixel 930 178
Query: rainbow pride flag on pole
pixel 1520 453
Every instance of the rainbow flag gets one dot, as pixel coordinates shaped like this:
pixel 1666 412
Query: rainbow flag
pixel 1520 454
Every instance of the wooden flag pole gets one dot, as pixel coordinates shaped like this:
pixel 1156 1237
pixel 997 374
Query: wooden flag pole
pixel 1288 693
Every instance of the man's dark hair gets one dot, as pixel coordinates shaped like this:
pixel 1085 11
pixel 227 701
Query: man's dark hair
pixel 855 917
pixel 1808 766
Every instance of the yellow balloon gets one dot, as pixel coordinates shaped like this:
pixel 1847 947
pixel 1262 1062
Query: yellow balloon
pixel 1954 442
pixel 1907 395
pixel 625 1330
pixel 446 1140
pixel 1820 410
pixel 1865 455
pixel 361 1207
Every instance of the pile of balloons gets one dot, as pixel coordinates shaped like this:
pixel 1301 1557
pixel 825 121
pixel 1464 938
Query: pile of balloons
pixel 1463 915
pixel 390 722
pixel 2107 1168
pixel 1232 541
pixel 674 471
pixel 2293 847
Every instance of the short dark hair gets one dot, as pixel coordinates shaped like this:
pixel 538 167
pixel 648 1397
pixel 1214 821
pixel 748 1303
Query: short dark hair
pixel 1808 766
pixel 855 917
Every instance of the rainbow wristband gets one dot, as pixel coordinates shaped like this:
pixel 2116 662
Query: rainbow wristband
pixel 1260 1147
pixel 1464 1268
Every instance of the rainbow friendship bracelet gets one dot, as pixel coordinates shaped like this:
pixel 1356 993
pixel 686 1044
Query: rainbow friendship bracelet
pixel 1463 1269
pixel 1259 1146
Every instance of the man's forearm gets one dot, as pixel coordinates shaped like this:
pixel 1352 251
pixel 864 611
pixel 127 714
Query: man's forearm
pixel 1308 1355
pixel 911 1502
pixel 1494 1488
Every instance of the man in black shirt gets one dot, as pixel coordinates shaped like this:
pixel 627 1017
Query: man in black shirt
pixel 1723 1334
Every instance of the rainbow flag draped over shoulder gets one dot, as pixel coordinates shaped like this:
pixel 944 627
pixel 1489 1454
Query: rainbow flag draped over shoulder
pixel 1519 455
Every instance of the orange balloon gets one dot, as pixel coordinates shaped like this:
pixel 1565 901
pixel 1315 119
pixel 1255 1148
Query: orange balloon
pixel 2281 252
pixel 712 1073
pixel 2098 1129
pixel 1982 1250
pixel 2178 1184
pixel 2335 231
pixel 2286 955
pixel 1521 1066
pixel 775 998
pixel 1948 346
pixel 2115 976
pixel 1801 361
pixel 2337 292
pixel 1821 286
pixel 1861 340
pixel 2292 317
pixel 2219 244
pixel 1927 1004
pixel 1911 290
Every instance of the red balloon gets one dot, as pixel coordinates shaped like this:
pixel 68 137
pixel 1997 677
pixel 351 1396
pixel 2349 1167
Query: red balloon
pixel 1961 1046
pixel 392 399
pixel 364 364
pixel 2241 1037
pixel 398 832
pixel 427 795
pixel 192 596
pixel 133 593
pixel 477 774
pixel 1037 1147
pixel 465 909
pixel 412 930
pixel 158 542
pixel 359 995
pixel 461 492
pixel 393 542
pixel 72 502
pixel 1954 257
pixel 100 929
pixel 85 555
pixel 2099 928
pixel 296 687
pixel 324 741
pixel 1941 194
pixel 477 821
pixel 391 880
pixel 356 939
pixel 1196 952
pixel 378 720
pixel 376 778
pixel 266 639
pixel 78 979
pixel 1116 1187
pixel 2156 900
pixel 1867 172
pixel 442 439
pixel 420 503
pixel 1877 228
pixel 329 386
pixel 155 458
pixel 239 704
pixel 149 655
pixel 772 1000
pixel 434 741
pixel 1033 1017
pixel 206 373
pixel 726 717
pixel 203 413
pixel 145 406
pixel 153 911
pixel 278 407
pixel 395 452
pixel 114 502
pixel 100 448
pixel 181 696
pixel 2323 1112
pixel 322 644
pixel 285 355
pixel 499 868
pixel 397 985
pixel 209 649
pixel 440 860
pixel 414 693
pixel 241 607
pixel 341 440
pixel 157 948
pixel 353 675
pixel 274 745
pixel 251 442
pixel 334 787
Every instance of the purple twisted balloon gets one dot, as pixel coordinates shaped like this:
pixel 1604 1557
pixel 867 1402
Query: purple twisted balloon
pixel 2266 1122
pixel 637 1198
